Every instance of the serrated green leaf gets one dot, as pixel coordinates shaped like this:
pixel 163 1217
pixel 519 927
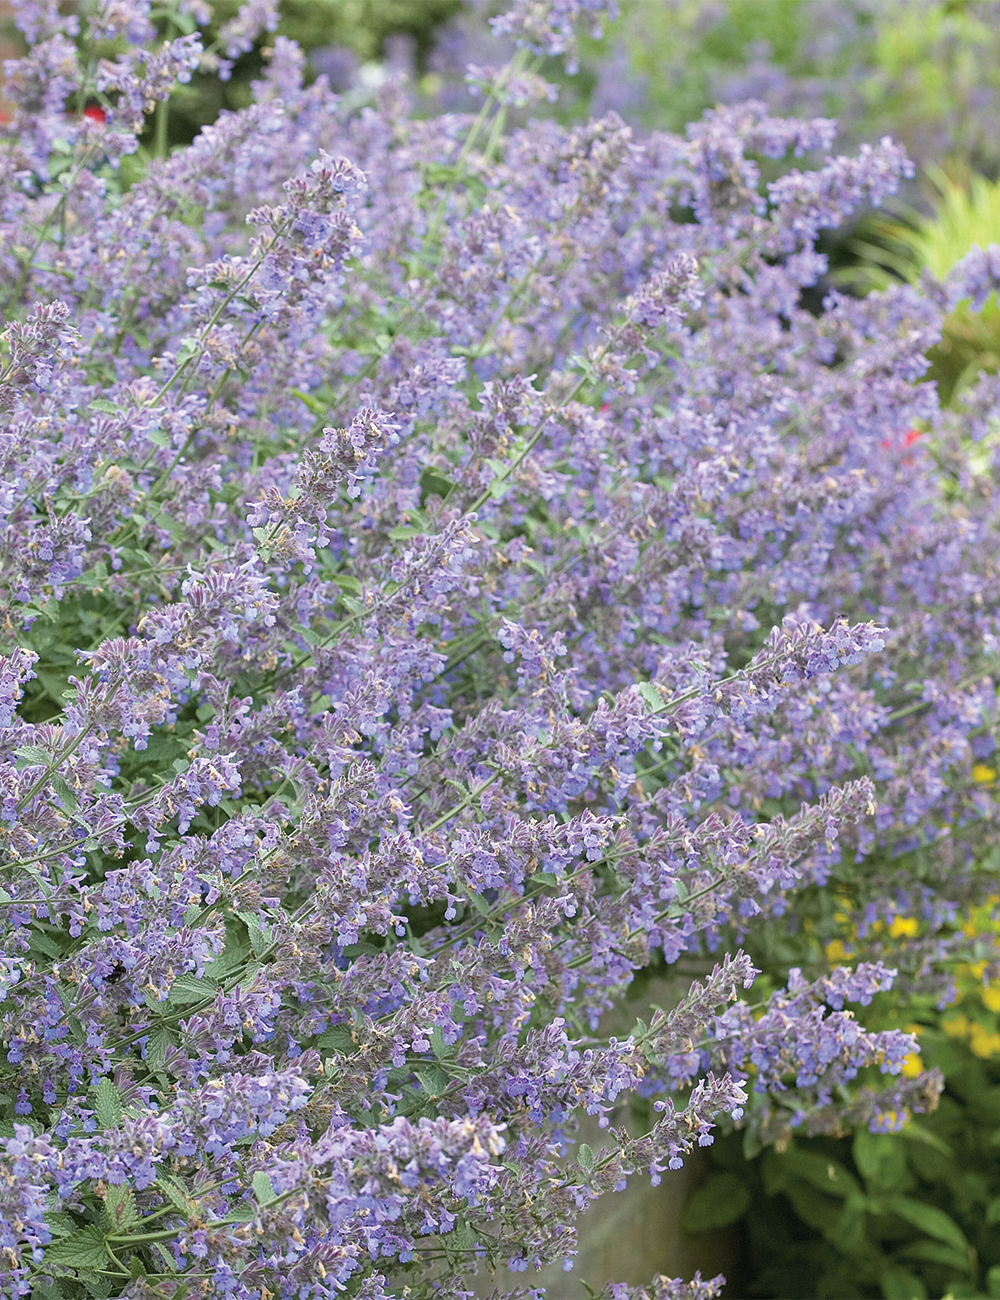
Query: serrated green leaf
pixel 262 1188
pixel 338 1039
pixel 59 1223
pixel 585 1157
pixel 119 1208
pixel 44 944
pixel 478 902
pixel 438 1046
pixel 34 754
pixel 191 988
pixel 652 696
pixel 166 1257
pixel 174 1192
pixel 81 1249
pixel 259 942
pixel 108 1105
pixel 105 407
pixel 462 1237
pixel 159 438
pixel 347 583
pixel 190 347
pixel 66 795
pixel 433 1080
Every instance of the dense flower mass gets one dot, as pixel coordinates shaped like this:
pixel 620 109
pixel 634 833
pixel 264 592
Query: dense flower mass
pixel 447 571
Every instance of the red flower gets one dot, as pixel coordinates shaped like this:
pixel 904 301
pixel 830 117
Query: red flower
pixel 96 114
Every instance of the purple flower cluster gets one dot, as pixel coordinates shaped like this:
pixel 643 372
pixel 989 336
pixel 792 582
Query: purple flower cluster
pixel 444 573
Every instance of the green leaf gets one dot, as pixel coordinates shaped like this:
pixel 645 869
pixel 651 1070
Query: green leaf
pixel 259 942
pixel 109 1105
pixel 585 1157
pixel 929 1220
pixel 478 902
pixel 166 1257
pixel 190 347
pixel 262 1188
pixel 900 1284
pixel 82 1249
pixel 106 407
pixel 936 1252
pixel 916 1133
pixel 42 943
pixel 119 1208
pixel 159 438
pixel 438 1046
pixel 59 1223
pixel 338 1039
pixel 881 1158
pixel 310 402
pixel 346 583
pixel 823 1174
pixel 993 1282
pixel 34 754
pixel 722 1199
pixel 156 1047
pixel 174 1191
pixel 67 797
pixel 462 1237
pixel 433 1080
pixel 652 696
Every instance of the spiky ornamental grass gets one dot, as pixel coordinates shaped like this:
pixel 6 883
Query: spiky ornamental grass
pixel 445 571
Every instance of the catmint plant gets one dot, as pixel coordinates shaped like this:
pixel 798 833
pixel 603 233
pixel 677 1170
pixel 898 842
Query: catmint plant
pixel 445 573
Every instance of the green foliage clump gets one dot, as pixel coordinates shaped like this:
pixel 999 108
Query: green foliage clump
pixel 965 214
pixel 903 1216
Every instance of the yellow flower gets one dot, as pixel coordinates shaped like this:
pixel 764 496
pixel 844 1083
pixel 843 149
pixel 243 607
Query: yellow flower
pixel 991 997
pixel 836 951
pixel 955 1026
pixel 983 774
pixel 912 1066
pixel 903 925
pixel 983 1043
